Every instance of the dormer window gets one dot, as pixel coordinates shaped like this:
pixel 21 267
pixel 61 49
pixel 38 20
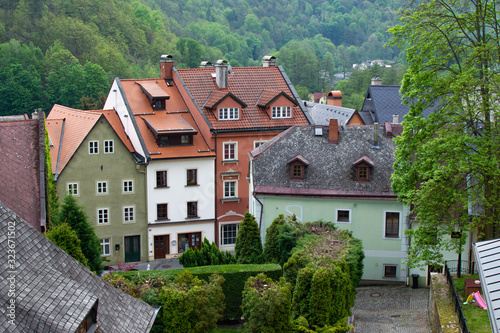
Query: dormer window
pixel 363 169
pixel 175 140
pixel 281 112
pixel 297 165
pixel 158 104
pixel 229 113
pixel 297 171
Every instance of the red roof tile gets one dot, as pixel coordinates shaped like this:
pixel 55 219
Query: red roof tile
pixel 247 84
pixel 20 165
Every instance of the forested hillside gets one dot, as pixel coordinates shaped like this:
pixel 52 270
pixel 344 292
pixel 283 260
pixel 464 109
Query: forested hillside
pixel 68 51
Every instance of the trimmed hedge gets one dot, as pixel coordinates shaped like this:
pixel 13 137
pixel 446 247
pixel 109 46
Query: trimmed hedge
pixel 234 276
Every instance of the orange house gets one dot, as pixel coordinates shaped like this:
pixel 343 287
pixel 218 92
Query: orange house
pixel 237 110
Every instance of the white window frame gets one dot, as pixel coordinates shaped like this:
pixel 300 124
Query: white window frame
pixel 73 189
pixel 235 153
pixel 222 233
pixel 105 242
pixel 229 113
pixel 399 225
pixel 93 147
pixel 281 112
pixel 258 143
pixel 105 211
pixel 126 184
pixel 109 147
pixel 337 215
pixel 104 189
pixel 235 189
pixel 128 214
pixel 390 277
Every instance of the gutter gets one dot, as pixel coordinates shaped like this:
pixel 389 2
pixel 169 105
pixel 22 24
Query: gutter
pixel 151 322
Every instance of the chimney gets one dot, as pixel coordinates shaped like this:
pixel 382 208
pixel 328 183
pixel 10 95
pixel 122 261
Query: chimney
pixel 268 61
pixel 376 81
pixel 35 114
pixel 334 98
pixel 166 64
pixel 388 129
pixel 395 119
pixel 333 131
pixel 221 71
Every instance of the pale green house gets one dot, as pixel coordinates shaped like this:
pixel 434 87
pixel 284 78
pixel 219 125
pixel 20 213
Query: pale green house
pixel 93 160
pixel 342 175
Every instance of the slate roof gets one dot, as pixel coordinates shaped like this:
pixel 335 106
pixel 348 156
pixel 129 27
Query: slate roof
pixel 247 84
pixel 21 162
pixel 176 116
pixel 487 254
pixel 54 292
pixel 73 126
pixel 322 113
pixel 330 171
pixel 382 102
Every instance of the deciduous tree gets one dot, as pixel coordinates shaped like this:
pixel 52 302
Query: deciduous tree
pixel 447 165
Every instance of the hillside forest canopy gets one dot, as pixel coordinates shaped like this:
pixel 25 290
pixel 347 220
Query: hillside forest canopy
pixel 68 52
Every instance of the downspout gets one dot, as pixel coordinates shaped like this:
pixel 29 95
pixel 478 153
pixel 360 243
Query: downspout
pixel 216 224
pixel 408 252
pixel 261 210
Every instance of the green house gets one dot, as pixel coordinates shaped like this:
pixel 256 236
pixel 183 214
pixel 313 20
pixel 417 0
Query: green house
pixel 93 160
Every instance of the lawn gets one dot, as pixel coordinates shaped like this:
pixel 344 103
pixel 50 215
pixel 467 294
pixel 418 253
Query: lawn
pixel 477 318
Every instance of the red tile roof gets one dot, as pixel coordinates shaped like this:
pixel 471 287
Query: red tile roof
pixel 20 165
pixel 247 84
pixel 75 125
pixel 175 118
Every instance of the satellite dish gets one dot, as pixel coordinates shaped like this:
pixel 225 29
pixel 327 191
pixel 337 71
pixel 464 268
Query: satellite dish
pixel 229 69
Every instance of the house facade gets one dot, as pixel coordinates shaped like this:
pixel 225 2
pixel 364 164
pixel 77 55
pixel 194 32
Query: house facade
pixel 237 109
pixel 180 162
pixel 93 160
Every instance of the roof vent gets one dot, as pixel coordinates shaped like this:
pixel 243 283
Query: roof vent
pixel 206 64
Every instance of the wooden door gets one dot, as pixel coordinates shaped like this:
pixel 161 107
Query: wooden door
pixel 161 246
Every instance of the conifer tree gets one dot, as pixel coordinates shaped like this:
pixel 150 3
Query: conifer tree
pixel 74 215
pixel 248 247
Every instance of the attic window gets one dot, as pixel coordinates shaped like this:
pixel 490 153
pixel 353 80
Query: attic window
pixel 229 113
pixel 158 104
pixel 297 165
pixel 281 112
pixel 363 169
pixel 175 140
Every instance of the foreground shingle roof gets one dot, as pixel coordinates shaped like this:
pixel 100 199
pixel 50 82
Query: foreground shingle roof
pixel 21 146
pixel 247 84
pixel 330 170
pixel 54 292
pixel 487 254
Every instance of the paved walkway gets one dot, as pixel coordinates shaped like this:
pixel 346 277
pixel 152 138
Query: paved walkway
pixel 391 309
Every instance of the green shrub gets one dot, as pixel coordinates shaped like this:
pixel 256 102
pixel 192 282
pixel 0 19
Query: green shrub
pixel 209 254
pixel 234 276
pixel 192 305
pixel 248 247
pixel 267 305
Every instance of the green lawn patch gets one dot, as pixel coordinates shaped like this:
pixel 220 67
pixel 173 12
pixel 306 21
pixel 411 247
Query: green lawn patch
pixel 477 318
